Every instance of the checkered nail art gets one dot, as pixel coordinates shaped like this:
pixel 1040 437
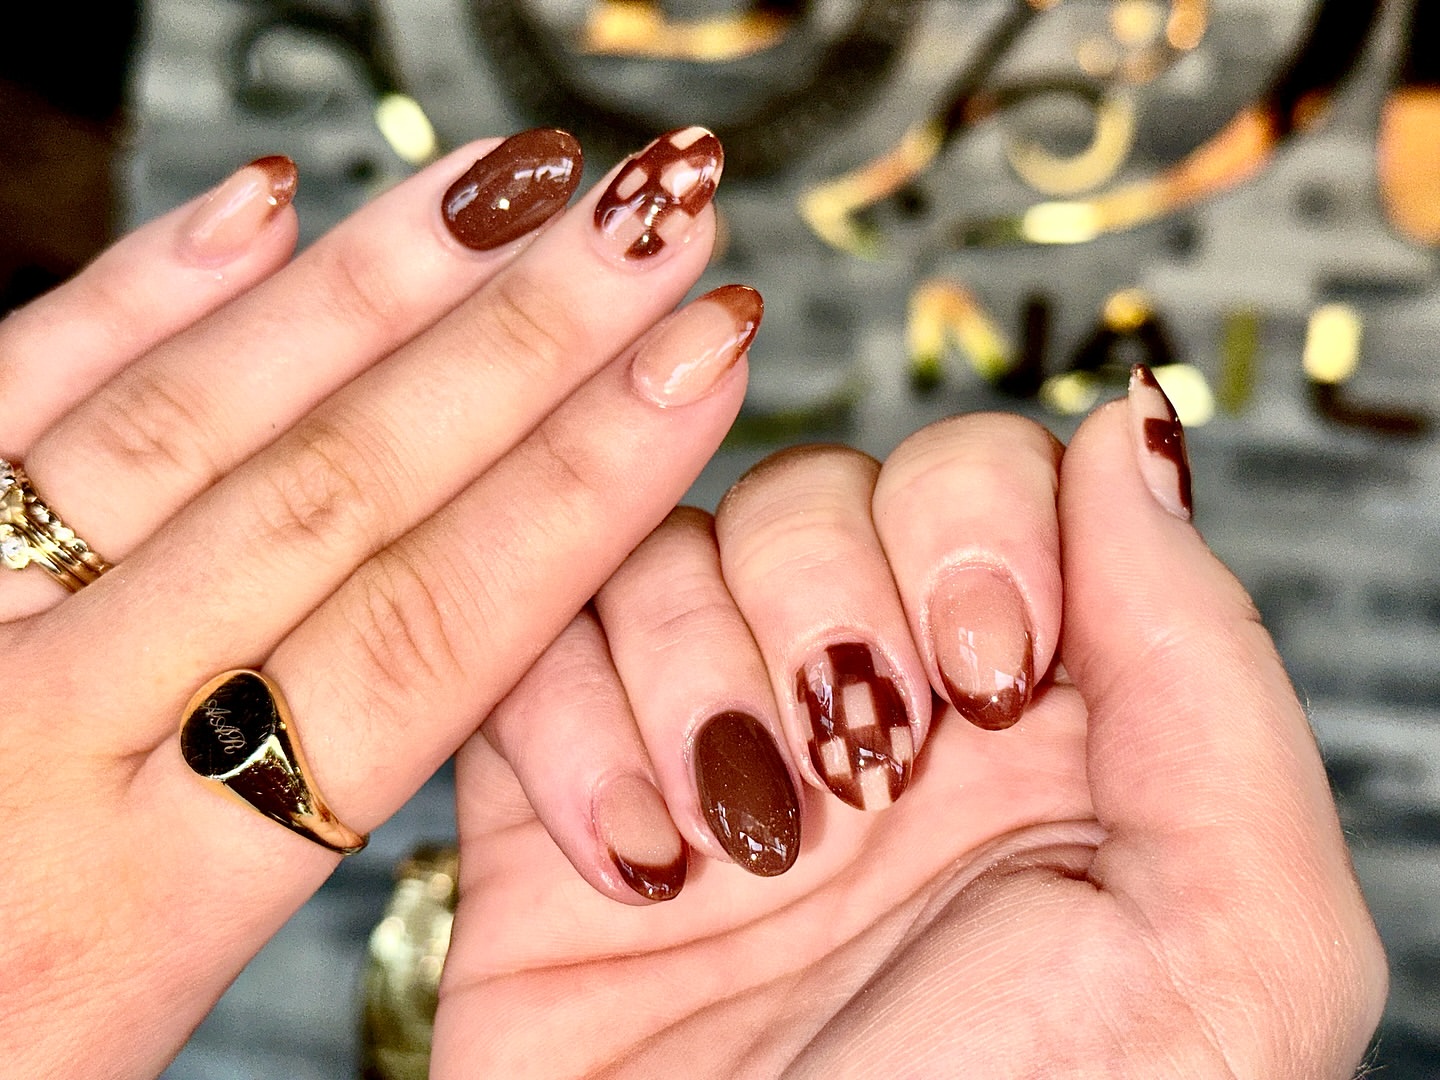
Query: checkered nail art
pixel 861 740
pixel 659 192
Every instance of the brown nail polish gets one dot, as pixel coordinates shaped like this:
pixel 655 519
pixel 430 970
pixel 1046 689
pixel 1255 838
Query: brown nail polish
pixel 659 192
pixel 746 793
pixel 518 186
pixel 232 215
pixel 861 742
pixel 634 823
pixel 983 646
pixel 684 359
pixel 1160 444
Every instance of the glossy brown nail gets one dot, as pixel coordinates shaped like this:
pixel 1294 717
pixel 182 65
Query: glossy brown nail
pixel 657 195
pixel 861 741
pixel 746 794
pixel 683 360
pixel 983 647
pixel 634 824
pixel 1160 444
pixel 232 215
pixel 517 187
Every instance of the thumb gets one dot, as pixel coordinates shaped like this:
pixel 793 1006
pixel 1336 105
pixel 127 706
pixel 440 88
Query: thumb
pixel 1202 766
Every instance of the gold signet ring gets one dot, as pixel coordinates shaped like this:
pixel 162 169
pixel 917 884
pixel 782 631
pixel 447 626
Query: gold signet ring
pixel 237 731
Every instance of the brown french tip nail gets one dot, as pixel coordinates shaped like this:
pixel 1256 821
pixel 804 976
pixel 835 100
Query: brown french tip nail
pixel 653 201
pixel 690 352
pixel 983 646
pixel 234 213
pixel 1160 444
pixel 514 189
pixel 861 741
pixel 634 823
pixel 746 794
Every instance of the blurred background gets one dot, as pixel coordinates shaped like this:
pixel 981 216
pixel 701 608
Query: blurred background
pixel 949 205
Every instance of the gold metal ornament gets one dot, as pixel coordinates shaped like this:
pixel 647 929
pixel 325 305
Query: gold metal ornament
pixel 31 534
pixel 237 731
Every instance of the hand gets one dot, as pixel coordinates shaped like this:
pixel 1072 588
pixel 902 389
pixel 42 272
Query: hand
pixel 1143 877
pixel 389 472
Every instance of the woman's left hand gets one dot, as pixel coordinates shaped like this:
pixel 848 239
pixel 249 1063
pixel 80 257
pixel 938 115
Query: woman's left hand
pixel 388 472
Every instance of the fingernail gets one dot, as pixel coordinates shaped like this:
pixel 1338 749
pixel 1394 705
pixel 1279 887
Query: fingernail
pixel 1160 444
pixel 683 360
pixel 656 197
pixel 861 742
pixel 634 823
pixel 746 794
pixel 232 215
pixel 517 187
pixel 983 647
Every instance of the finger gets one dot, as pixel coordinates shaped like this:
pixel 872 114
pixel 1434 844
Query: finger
pixel 701 695
pixel 1203 768
pixel 568 734
pixel 153 283
pixel 396 669
pixel 281 533
pixel 170 426
pixel 802 560
pixel 965 510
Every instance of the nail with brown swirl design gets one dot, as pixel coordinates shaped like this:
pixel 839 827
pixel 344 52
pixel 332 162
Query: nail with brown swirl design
pixel 653 202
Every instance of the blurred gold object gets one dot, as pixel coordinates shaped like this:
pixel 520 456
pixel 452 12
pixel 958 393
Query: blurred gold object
pixel 406 958
pixel 1332 343
pixel 1409 151
pixel 640 28
pixel 944 312
pixel 830 208
pixel 1239 350
pixel 31 535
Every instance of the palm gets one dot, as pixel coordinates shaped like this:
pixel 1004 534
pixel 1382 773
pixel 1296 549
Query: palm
pixel 739 976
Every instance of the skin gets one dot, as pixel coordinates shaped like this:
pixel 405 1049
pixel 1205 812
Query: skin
pixel 1143 877
pixel 388 472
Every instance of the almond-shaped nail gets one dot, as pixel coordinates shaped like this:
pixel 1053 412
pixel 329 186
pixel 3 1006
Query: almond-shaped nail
pixel 1160 444
pixel 654 199
pixel 746 794
pixel 861 740
pixel 689 353
pixel 517 187
pixel 634 824
pixel 232 215
pixel 980 632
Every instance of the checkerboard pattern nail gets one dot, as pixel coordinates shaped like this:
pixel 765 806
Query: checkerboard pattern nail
pixel 861 740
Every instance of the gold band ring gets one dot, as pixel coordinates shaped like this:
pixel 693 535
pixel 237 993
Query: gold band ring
pixel 237 732
pixel 30 533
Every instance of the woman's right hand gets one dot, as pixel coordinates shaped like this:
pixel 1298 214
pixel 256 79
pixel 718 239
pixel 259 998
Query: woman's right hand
pixel 1141 875
pixel 388 473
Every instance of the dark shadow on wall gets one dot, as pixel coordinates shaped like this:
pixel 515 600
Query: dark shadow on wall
pixel 63 70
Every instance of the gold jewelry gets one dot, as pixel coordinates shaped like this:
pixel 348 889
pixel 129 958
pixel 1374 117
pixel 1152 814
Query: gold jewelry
pixel 30 533
pixel 237 731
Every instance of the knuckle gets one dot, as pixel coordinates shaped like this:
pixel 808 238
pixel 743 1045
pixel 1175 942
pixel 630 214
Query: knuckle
pixel 406 627
pixel 152 426
pixel 526 323
pixel 355 289
pixel 323 495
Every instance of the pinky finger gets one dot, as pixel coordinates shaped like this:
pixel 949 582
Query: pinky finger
pixel 568 733
pixel 150 285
